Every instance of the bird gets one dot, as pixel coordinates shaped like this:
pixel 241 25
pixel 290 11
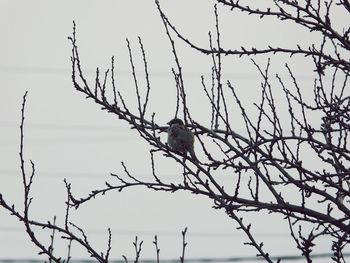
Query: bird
pixel 180 138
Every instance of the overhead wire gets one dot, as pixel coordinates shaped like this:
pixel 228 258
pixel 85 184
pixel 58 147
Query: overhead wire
pixel 126 72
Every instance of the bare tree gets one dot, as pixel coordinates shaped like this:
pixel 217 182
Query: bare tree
pixel 272 151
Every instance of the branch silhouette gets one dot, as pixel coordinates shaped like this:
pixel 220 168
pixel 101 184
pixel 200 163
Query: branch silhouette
pixel 269 162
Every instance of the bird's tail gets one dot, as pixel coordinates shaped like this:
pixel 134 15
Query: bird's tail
pixel 193 155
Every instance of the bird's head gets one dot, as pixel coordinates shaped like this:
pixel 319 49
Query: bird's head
pixel 175 121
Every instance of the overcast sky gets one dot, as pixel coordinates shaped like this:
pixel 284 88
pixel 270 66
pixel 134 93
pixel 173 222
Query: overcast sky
pixel 67 136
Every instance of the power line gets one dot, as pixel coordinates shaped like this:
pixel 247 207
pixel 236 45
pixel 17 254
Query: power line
pixel 194 260
pixel 9 173
pixel 123 72
pixel 77 127
pixel 156 232
pixel 98 176
pixel 103 133
pixel 64 126
pixel 86 140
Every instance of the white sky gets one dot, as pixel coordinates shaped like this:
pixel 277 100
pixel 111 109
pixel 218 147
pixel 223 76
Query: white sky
pixel 69 137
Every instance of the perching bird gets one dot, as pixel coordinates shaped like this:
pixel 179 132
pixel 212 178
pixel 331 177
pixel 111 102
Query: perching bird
pixel 180 138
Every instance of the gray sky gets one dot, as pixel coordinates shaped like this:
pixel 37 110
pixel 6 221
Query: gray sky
pixel 69 137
